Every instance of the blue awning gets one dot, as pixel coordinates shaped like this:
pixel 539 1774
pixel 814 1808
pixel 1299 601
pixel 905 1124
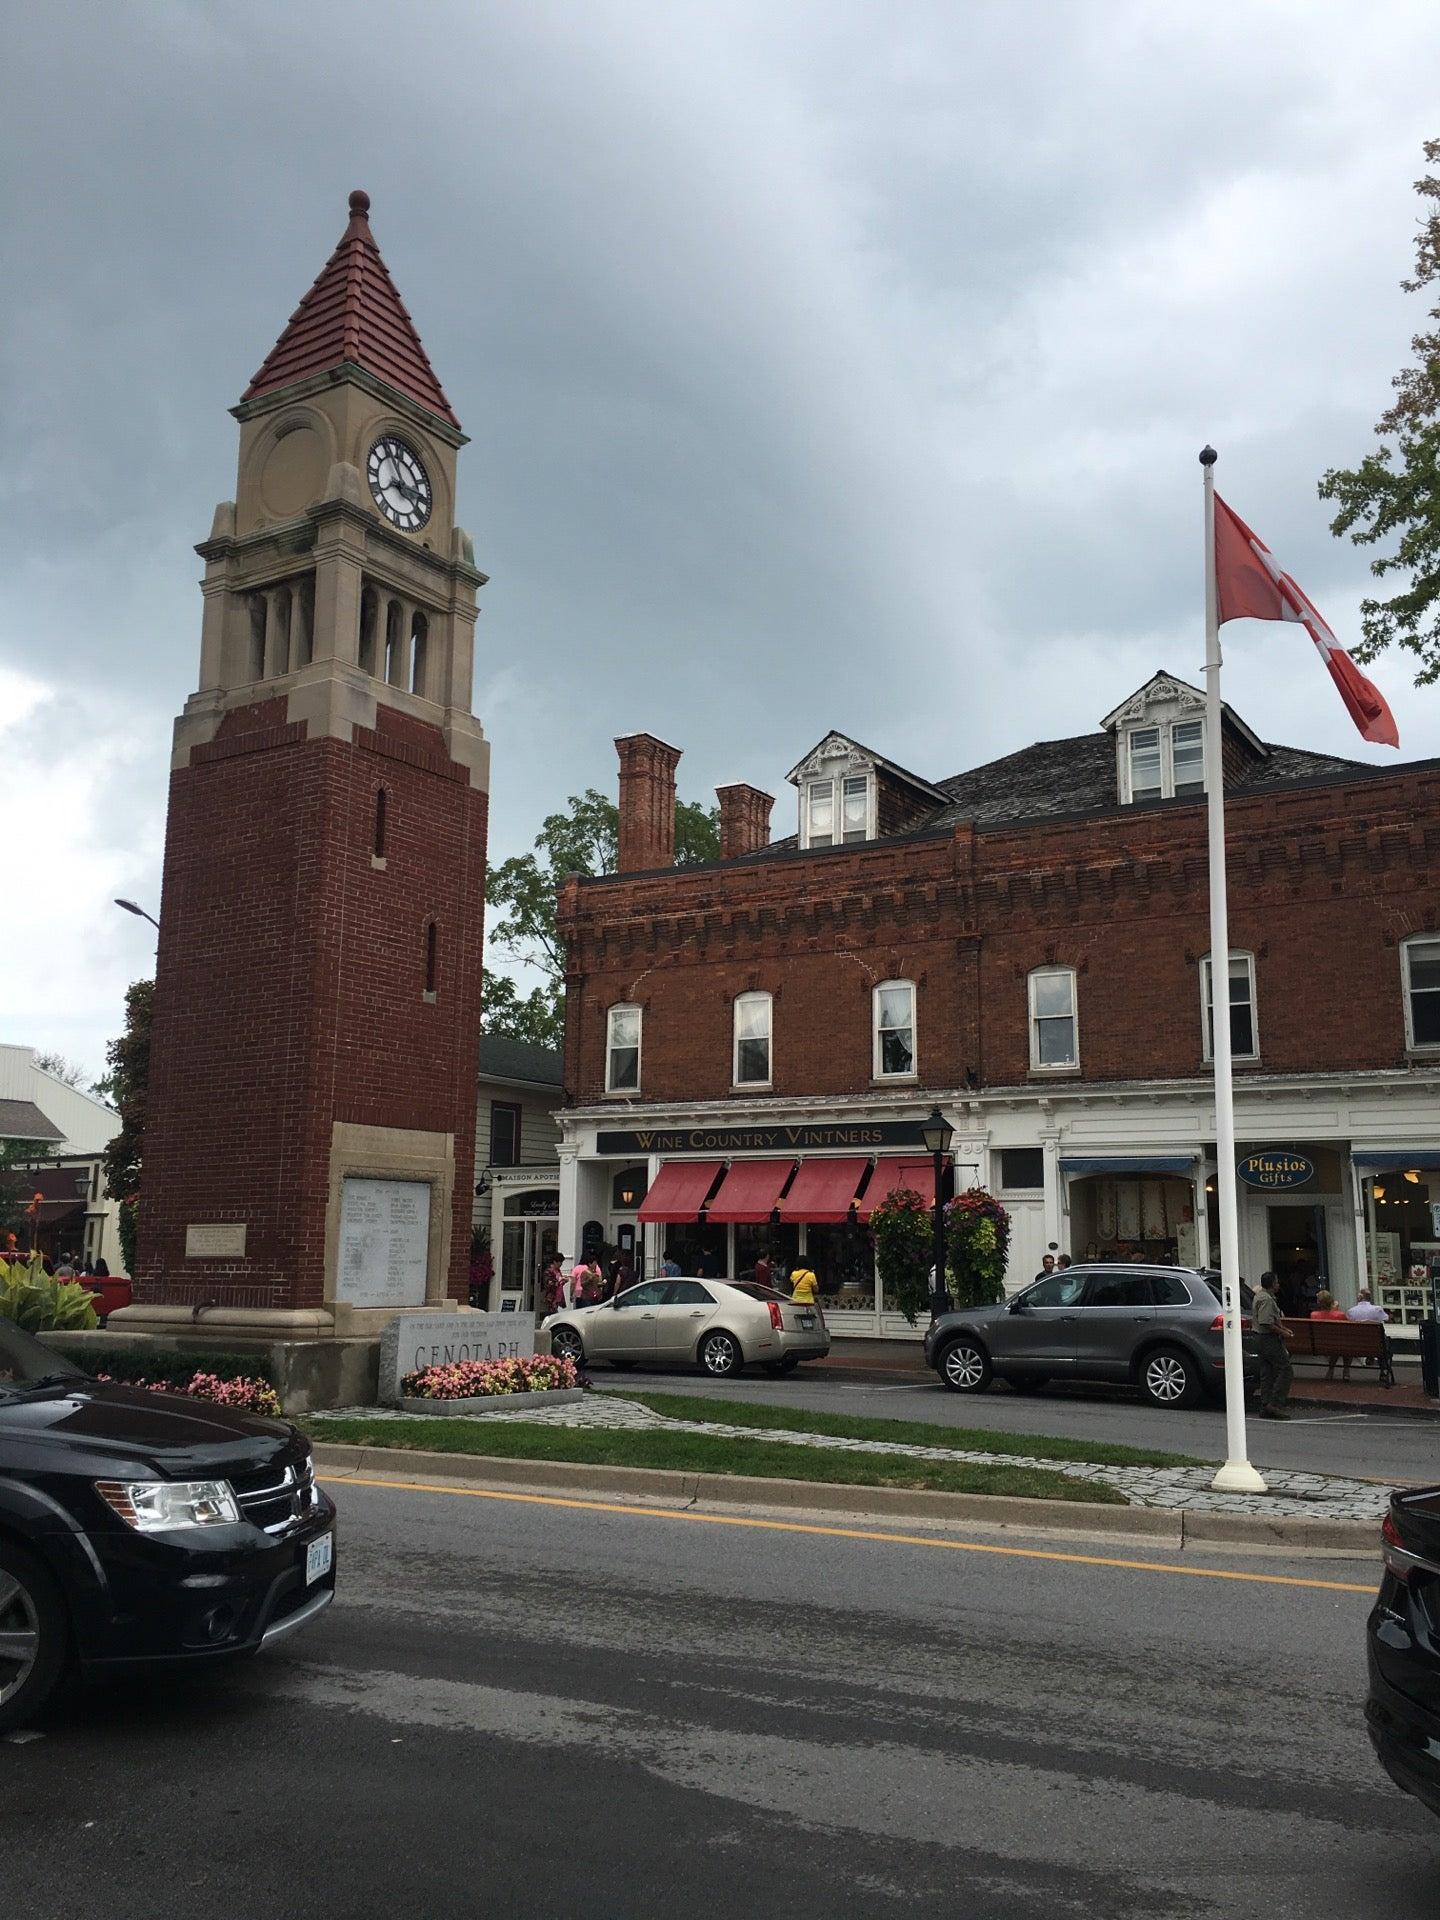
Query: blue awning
pixel 1397 1159
pixel 1132 1163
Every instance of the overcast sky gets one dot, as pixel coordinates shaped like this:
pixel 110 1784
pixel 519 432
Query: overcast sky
pixel 824 365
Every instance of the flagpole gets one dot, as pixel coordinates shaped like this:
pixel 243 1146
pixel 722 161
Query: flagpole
pixel 1237 1475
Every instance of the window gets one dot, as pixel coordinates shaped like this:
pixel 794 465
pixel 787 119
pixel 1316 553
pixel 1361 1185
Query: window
pixel 504 1134
pixel 1056 1290
pixel 380 823
pixel 1147 781
pixel 1244 1039
pixel 1169 1290
pixel 1022 1169
pixel 894 1030
pixel 1164 761
pixel 855 803
pixel 687 1293
pixel 432 958
pixel 1053 1039
pixel 622 1051
pixel 1187 756
pixel 651 1293
pixel 820 813
pixel 1420 962
pixel 752 1040
pixel 1117 1290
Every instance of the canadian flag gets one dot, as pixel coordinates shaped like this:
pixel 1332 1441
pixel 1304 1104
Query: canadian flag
pixel 1250 586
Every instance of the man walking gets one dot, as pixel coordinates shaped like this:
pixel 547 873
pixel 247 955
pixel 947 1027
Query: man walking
pixel 1273 1387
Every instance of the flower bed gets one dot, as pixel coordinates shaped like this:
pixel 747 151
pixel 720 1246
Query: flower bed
pixel 245 1395
pixel 490 1379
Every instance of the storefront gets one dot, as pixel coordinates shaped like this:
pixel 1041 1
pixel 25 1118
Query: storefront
pixel 1400 1213
pixel 524 1237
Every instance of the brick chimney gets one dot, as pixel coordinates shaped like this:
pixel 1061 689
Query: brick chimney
pixel 647 802
pixel 744 819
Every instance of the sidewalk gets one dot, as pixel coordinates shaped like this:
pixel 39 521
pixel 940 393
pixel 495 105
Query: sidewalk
pixel 893 1362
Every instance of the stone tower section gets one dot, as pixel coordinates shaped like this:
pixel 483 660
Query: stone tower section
pixel 310 1139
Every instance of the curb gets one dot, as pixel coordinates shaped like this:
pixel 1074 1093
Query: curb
pixel 1167 1527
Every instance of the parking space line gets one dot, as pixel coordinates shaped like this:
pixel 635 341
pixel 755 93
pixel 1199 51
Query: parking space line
pixel 848 1533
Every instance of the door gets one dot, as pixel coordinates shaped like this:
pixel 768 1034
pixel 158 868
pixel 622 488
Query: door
pixel 1037 1335
pixel 1115 1311
pixel 680 1319
pixel 628 1325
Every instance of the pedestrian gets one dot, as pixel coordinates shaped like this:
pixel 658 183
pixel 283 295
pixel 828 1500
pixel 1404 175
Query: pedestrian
pixel 670 1266
pixel 66 1269
pixel 1273 1387
pixel 762 1271
pixel 1365 1308
pixel 1062 1261
pixel 1326 1309
pixel 101 1268
pixel 803 1285
pixel 1047 1266
pixel 623 1275
pixel 551 1281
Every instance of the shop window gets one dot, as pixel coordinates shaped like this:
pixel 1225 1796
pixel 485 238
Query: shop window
pixel 751 1066
pixel 1165 761
pixel 1022 1169
pixel 1054 1039
pixel 504 1134
pixel 1420 963
pixel 622 1050
pixel 894 1047
pixel 1244 1033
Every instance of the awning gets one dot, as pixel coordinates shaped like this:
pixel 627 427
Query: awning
pixel 679 1190
pixel 1131 1163
pixel 892 1174
pixel 822 1191
pixel 750 1191
pixel 1397 1159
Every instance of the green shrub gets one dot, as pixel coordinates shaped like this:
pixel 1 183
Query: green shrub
pixel 40 1304
pixel 904 1232
pixel 166 1366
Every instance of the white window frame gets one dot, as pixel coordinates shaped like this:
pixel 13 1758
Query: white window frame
pixel 753 999
pixel 1412 1045
pixel 809 790
pixel 877 1054
pixel 835 781
pixel 1053 1066
pixel 1207 998
pixel 624 1006
pixel 1166 731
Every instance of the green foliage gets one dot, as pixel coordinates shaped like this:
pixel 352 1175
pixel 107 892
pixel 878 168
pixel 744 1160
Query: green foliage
pixel 585 839
pixel 129 1227
pixel 904 1230
pixel 59 1068
pixel 166 1366
pixel 40 1304
pixel 1394 493
pixel 126 1086
pixel 977 1240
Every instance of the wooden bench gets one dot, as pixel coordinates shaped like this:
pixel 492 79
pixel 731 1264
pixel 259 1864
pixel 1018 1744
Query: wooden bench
pixel 1341 1340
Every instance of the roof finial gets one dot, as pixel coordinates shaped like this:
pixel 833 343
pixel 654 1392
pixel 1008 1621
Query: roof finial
pixel 359 204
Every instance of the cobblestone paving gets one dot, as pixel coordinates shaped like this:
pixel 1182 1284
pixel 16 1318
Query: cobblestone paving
pixel 1296 1495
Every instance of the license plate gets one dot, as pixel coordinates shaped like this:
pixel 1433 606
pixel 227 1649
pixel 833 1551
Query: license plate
pixel 319 1557
pixel 807 1320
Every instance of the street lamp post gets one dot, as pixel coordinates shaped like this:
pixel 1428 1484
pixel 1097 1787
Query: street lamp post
pixel 130 907
pixel 937 1133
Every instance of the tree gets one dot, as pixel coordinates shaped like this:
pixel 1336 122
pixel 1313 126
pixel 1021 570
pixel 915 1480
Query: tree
pixel 59 1068
pixel 585 839
pixel 1395 490
pixel 125 1086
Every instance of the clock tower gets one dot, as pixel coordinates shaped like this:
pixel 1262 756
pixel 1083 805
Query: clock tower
pixel 309 1143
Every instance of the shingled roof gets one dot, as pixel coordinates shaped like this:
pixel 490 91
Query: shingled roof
pixel 353 315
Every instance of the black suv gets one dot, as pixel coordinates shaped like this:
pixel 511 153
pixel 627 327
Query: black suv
pixel 138 1527
pixel 1403 1710
pixel 1158 1328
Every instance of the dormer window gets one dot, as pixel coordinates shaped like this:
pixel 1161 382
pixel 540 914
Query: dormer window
pixel 853 794
pixel 1164 761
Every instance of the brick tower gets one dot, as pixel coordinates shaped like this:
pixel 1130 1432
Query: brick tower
pixel 309 1145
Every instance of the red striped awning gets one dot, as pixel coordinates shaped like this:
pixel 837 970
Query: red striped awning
pixel 679 1191
pixel 750 1191
pixel 890 1175
pixel 823 1190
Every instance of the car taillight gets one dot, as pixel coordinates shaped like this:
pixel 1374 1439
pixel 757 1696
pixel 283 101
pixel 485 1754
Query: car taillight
pixel 1400 1562
pixel 775 1318
pixel 1217 1325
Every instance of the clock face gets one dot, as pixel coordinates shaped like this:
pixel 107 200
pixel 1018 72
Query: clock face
pixel 399 483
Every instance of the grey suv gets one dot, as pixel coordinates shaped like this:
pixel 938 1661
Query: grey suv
pixel 1158 1328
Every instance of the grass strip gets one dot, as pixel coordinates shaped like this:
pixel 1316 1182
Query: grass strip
pixel 915 1433
pixel 508 1438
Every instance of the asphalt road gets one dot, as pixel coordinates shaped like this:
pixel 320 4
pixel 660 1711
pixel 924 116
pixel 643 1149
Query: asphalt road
pixel 1315 1440
pixel 539 1709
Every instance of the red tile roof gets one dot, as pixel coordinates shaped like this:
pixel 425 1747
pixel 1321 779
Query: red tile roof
pixel 354 313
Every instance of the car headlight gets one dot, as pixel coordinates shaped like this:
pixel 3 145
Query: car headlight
pixel 160 1506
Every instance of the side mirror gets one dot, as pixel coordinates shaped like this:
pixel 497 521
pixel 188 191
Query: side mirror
pixel 1017 1305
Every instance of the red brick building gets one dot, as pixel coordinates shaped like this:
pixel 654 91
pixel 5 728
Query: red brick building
pixel 1025 944
pixel 310 1140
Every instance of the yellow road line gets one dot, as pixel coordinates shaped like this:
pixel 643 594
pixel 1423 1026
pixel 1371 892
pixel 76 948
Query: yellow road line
pixel 849 1533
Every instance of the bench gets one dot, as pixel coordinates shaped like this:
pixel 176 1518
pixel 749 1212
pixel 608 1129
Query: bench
pixel 1341 1340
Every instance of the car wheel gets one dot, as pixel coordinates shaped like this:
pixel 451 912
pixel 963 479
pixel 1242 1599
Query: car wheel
pixel 964 1367
pixel 566 1344
pixel 1169 1378
pixel 34 1635
pixel 720 1355
pixel 1027 1382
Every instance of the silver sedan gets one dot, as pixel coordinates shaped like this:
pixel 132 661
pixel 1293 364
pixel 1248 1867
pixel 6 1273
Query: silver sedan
pixel 721 1325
